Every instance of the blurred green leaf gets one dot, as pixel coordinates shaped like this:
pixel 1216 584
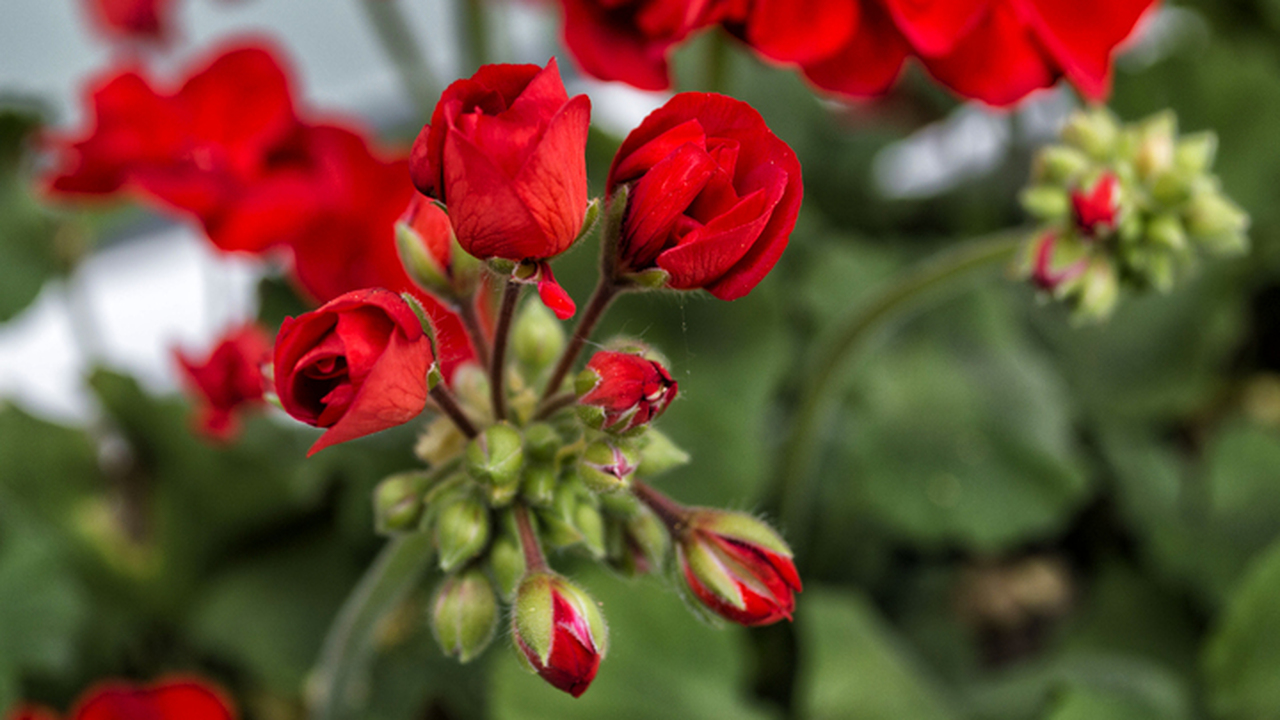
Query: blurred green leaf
pixel 853 665
pixel 662 663
pixel 959 431
pixel 1242 658
pixel 28 251
pixel 1090 704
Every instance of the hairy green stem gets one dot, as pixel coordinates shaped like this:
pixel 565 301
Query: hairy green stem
pixel 502 331
pixel 789 491
pixel 392 28
pixel 348 648
pixel 600 301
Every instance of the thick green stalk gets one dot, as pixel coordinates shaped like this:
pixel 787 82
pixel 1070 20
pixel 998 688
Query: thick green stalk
pixel 791 486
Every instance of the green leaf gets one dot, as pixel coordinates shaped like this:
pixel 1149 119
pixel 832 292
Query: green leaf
pixel 662 663
pixel 1090 704
pixel 959 431
pixel 854 665
pixel 28 235
pixel 43 607
pixel 1242 658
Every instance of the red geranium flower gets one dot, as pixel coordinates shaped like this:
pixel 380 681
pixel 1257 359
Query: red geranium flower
pixel 132 19
pixel 629 40
pixel 228 381
pixel 713 196
pixel 174 699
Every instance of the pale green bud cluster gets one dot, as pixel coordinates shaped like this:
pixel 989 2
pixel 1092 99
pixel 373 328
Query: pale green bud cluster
pixel 1125 206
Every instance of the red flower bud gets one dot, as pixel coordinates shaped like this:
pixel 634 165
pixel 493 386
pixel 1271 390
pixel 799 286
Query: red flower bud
pixel 355 366
pixel 506 152
pixel 628 390
pixel 713 195
pixel 228 380
pixel 1095 211
pixel 559 631
pixel 1043 273
pixel 738 567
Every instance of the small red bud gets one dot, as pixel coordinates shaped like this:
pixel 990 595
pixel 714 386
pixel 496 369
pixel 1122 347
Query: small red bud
pixel 738 567
pixel 1095 211
pixel 1044 275
pixel 559 631
pixel 629 389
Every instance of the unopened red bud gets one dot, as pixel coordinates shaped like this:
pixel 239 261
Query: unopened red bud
pixel 464 615
pixel 620 392
pixel 738 567
pixel 1095 210
pixel 559 632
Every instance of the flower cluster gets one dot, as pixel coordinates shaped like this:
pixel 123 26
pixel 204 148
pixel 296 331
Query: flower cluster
pixel 996 51
pixel 523 457
pixel 1125 206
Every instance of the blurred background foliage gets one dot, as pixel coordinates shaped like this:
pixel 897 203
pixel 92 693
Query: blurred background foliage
pixel 1015 518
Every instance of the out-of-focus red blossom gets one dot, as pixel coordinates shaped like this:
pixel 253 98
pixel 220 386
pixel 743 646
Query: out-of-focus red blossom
pixel 792 31
pixel 629 40
pixel 229 148
pixel 631 390
pixel 506 153
pixel 1044 274
pixel 1095 211
pixel 356 365
pixel 174 699
pixel 996 51
pixel 147 20
pixel 738 567
pixel 227 381
pixel 713 198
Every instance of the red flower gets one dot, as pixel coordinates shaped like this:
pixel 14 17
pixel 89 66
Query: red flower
pixel 132 19
pixel 559 631
pixel 174 699
pixel 996 51
pixel 713 195
pixel 1095 211
pixel 506 152
pixel 228 380
pixel 738 567
pixel 796 31
pixel 629 40
pixel 355 366
pixel 230 125
pixel 625 390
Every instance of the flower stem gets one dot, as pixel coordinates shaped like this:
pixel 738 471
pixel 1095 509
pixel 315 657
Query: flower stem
pixel 674 515
pixel 498 393
pixel 392 28
pixel 534 560
pixel 556 404
pixel 476 31
pixel 470 321
pixel 788 493
pixel 603 296
pixel 348 647
pixel 445 400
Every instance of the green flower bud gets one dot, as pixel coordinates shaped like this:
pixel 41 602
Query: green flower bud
pixel 506 560
pixel 1059 165
pixel 537 339
pixel 542 442
pixel 539 485
pixel 1099 290
pixel 607 466
pixel 440 441
pixel 462 531
pixel 1166 231
pixel 558 632
pixel 397 503
pixel 1195 153
pixel 471 389
pixel 464 615
pixel 658 454
pixel 1216 223
pixel 1046 202
pixel 638 543
pixel 589 521
pixel 495 459
pixel 1155 140
pixel 1096 132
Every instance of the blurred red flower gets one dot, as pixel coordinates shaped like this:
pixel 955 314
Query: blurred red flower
pixel 629 40
pixel 228 381
pixel 713 197
pixel 173 699
pixel 355 366
pixel 132 19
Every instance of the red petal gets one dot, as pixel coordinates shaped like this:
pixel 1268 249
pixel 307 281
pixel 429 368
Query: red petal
pixel 999 63
pixel 554 296
pixel 658 199
pixel 869 63
pixel 1082 34
pixel 800 30
pixel 935 26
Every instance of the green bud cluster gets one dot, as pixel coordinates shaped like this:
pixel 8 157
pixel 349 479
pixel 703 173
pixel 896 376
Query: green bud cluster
pixel 1125 206
pixel 572 480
